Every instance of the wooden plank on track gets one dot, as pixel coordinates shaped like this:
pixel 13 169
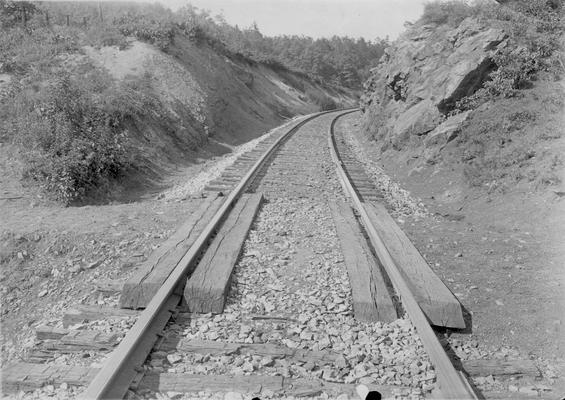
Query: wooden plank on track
pixel 44 332
pixel 438 303
pixel 85 313
pixel 253 384
pixel 207 287
pixel 28 376
pixel 260 349
pixel 184 383
pixel 371 298
pixel 138 291
pixel 78 340
pixel 500 367
pixel 306 387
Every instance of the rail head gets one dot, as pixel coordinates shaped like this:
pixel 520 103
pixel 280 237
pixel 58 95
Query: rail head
pixel 452 383
pixel 114 378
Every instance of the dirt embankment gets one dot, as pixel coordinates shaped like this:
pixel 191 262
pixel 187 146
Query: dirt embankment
pixel 213 103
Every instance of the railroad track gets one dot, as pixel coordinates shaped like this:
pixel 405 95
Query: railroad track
pixel 298 281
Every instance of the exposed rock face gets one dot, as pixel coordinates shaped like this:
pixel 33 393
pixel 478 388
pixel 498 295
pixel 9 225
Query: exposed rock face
pixel 423 74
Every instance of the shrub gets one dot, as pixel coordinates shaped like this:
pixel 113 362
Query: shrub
pixel 323 101
pixel 446 12
pixel 22 51
pixel 71 131
pixel 535 30
pixel 105 35
pixel 159 32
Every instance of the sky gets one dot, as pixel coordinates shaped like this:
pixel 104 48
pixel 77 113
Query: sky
pixel 370 19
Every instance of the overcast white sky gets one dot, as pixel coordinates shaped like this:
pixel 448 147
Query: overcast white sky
pixel 317 18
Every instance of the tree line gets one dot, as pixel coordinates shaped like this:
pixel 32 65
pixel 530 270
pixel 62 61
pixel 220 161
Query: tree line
pixel 338 60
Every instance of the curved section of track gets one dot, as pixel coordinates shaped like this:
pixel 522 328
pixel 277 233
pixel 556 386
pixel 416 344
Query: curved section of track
pixel 452 383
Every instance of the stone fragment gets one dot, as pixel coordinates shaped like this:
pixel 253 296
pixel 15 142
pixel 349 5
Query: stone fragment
pixel 174 358
pixel 233 396
pixel 529 390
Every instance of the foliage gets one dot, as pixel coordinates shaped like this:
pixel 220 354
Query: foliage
pixel 446 12
pixel 21 51
pixel 12 12
pixel 157 31
pixel 325 103
pixel 105 34
pixel 70 118
pixel 71 131
pixel 535 29
pixel 338 60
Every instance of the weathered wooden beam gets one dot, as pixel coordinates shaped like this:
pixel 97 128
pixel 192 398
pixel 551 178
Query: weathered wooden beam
pixel 207 287
pixel 440 306
pixel 184 383
pixel 109 286
pixel 86 313
pixel 260 349
pixel 138 291
pixel 253 384
pixel 371 298
pixel 70 341
pixel 500 367
pixel 306 387
pixel 44 332
pixel 28 376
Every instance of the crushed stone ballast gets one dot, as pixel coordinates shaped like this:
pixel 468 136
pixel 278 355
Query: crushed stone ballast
pixel 275 258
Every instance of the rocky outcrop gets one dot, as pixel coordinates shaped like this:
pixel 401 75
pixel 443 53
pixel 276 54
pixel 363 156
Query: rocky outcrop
pixel 422 76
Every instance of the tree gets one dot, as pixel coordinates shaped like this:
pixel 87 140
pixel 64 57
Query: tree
pixel 13 12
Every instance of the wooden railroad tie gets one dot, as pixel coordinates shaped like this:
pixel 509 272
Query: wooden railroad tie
pixel 207 287
pixel 371 298
pixel 274 351
pixel 27 377
pixel 440 306
pixel 138 291
pixel 85 313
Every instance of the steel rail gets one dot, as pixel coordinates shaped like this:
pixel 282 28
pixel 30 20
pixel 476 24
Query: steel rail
pixel 452 384
pixel 115 377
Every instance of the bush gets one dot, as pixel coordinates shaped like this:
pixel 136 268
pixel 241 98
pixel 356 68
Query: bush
pixel 159 32
pixel 446 12
pixel 105 35
pixel 325 103
pixel 22 51
pixel 71 131
pixel 535 29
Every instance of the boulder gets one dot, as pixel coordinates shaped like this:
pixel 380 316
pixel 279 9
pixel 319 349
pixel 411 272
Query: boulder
pixel 423 75
pixel 447 130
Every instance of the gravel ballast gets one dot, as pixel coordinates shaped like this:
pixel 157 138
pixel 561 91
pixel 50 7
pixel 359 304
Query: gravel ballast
pixel 290 288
